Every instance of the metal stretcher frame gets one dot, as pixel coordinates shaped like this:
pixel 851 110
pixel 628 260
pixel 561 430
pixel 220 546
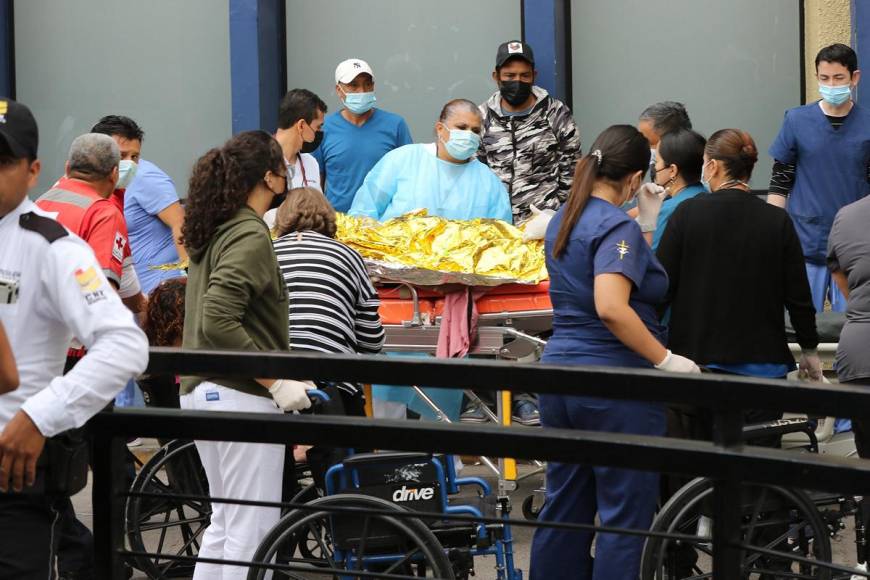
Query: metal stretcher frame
pixel 495 338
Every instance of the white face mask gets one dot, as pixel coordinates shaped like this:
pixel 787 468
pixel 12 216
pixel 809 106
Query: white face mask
pixel 126 173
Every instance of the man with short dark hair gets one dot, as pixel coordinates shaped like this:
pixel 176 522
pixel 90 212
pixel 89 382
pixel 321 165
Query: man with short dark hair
pixel 147 197
pixel 822 163
pixel 529 138
pixel 300 121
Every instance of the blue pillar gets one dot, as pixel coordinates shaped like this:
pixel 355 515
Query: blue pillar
pixel 861 41
pixel 257 62
pixel 7 50
pixel 547 28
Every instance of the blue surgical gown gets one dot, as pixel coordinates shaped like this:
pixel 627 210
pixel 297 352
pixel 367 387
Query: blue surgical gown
pixel 413 177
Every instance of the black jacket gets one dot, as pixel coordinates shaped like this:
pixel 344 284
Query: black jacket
pixel 735 265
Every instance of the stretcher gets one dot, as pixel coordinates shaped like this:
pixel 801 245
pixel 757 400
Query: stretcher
pixel 514 319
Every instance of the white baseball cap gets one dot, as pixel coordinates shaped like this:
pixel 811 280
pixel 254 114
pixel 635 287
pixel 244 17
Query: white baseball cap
pixel 349 69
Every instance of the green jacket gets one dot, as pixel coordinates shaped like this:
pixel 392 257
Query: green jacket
pixel 236 298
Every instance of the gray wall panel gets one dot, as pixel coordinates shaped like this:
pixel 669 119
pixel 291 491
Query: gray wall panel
pixel 423 53
pixel 164 63
pixel 733 64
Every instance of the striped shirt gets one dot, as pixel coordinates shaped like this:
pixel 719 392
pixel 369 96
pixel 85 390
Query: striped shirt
pixel 333 305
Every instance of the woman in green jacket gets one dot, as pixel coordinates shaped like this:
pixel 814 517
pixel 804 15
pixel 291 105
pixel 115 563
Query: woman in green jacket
pixel 237 300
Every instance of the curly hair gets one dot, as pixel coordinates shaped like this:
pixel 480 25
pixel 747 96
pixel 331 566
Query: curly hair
pixel 222 180
pixel 305 208
pixel 164 317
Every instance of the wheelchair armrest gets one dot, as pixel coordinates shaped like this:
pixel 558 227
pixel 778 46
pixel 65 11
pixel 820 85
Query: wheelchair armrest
pixel 385 457
pixel 480 482
pixel 779 427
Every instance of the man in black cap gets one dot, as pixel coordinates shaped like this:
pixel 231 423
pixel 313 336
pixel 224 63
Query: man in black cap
pixel 531 142
pixel 51 289
pixel 529 138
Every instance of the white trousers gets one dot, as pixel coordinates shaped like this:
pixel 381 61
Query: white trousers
pixel 250 471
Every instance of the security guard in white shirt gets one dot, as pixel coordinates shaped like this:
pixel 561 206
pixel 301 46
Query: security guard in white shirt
pixel 51 289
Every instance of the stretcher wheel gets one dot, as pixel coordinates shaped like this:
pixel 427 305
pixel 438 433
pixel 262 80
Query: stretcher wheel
pixel 309 541
pixel 774 517
pixel 168 526
pixel 530 512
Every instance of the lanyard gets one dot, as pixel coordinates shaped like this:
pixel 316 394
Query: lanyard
pixel 302 166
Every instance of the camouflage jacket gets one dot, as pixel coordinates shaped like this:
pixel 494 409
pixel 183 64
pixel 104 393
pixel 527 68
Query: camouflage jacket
pixel 534 155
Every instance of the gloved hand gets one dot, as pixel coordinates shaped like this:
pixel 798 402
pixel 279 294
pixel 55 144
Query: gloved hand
pixel 674 363
pixel 810 365
pixel 291 395
pixel 649 202
pixel 536 227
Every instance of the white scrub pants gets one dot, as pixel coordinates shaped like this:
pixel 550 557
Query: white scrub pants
pixel 250 471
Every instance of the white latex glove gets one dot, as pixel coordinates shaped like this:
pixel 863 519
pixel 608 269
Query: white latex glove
pixel 674 363
pixel 810 365
pixel 291 395
pixel 649 202
pixel 536 227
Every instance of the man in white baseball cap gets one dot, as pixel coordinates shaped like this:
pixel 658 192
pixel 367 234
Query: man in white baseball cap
pixel 358 135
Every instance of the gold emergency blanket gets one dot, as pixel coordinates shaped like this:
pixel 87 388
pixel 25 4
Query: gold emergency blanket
pixel 421 249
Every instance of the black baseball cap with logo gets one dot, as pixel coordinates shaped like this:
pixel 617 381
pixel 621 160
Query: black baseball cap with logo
pixel 19 135
pixel 514 48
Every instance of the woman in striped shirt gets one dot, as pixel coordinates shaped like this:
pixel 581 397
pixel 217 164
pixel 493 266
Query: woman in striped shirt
pixel 333 305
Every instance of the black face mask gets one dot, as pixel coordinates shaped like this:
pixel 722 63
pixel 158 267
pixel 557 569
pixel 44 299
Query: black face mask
pixel 515 92
pixel 277 200
pixel 311 147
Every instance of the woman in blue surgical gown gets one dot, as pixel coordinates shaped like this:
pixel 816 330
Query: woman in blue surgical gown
pixel 446 179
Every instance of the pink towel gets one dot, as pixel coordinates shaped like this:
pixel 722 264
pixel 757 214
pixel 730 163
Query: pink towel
pixel 458 323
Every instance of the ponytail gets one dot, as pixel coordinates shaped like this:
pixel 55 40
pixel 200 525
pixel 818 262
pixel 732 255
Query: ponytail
pixel 585 173
pixel 619 151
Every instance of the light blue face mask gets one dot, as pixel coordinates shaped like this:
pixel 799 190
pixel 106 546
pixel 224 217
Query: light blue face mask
pixel 359 103
pixel 462 144
pixel 835 95
pixel 126 173
pixel 704 182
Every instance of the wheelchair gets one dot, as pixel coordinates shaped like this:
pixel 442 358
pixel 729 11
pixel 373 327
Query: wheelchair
pixel 327 538
pixel 777 518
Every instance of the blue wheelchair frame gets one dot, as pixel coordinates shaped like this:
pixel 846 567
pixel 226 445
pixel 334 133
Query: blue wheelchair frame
pixel 343 479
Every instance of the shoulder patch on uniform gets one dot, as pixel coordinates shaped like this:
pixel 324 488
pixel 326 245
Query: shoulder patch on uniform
pixel 46 227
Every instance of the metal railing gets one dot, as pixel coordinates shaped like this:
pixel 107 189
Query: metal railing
pixel 726 460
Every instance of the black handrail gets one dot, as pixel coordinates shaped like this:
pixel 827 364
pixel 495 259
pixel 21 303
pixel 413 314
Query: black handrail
pixel 726 460
pixel 721 392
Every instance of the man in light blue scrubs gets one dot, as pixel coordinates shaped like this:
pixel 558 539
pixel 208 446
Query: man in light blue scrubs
pixel 822 163
pixel 357 136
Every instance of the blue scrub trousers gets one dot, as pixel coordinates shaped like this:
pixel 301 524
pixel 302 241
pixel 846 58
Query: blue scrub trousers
pixel 822 286
pixel 575 493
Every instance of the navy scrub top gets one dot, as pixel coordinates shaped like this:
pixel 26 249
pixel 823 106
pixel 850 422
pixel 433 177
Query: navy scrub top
pixel 604 240
pixel 830 172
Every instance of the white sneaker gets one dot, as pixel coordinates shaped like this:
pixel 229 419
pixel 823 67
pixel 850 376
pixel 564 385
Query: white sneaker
pixel 137 442
pixel 861 568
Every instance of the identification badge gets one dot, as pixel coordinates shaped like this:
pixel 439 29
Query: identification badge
pixel 9 290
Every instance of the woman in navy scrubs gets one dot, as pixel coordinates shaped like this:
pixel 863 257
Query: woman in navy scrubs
pixel 605 285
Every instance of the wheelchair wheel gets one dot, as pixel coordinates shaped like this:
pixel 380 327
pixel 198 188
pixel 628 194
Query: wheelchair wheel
pixel 171 527
pixel 775 518
pixel 321 544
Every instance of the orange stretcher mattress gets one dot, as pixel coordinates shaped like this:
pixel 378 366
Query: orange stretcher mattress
pixel 397 306
pixel 397 311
